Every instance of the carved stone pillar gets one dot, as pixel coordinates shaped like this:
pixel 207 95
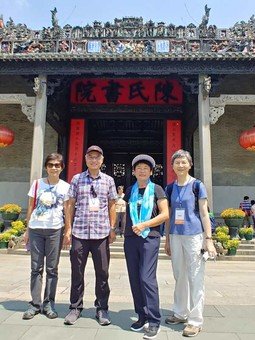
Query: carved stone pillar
pixel 39 127
pixel 205 135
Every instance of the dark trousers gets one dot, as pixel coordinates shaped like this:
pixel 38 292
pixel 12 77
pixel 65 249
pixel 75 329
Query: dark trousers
pixel 120 222
pixel 44 243
pixel 100 252
pixel 142 258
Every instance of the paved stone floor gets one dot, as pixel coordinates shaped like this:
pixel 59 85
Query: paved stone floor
pixel 229 306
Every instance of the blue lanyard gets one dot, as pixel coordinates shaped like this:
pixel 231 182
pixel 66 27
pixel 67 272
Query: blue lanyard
pixel 179 192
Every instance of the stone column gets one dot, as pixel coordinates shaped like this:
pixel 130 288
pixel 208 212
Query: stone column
pixel 205 135
pixel 39 127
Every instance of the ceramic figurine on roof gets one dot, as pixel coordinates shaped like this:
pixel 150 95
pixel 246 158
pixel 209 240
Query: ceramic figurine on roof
pixel 205 18
pixel 54 19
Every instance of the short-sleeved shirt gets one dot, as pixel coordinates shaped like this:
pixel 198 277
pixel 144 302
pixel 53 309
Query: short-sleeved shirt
pixel 192 222
pixel 158 194
pixel 48 212
pixel 245 205
pixel 120 204
pixel 92 224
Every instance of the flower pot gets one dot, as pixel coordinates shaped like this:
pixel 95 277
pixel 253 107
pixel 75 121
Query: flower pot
pixel 9 216
pixel 234 222
pixel 232 251
pixel 3 244
pixel 248 237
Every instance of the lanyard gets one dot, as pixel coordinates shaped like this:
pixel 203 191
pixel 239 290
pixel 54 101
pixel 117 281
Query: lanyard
pixel 95 184
pixel 179 192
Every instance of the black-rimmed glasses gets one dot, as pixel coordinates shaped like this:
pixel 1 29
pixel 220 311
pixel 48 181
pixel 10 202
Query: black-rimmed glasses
pixel 92 191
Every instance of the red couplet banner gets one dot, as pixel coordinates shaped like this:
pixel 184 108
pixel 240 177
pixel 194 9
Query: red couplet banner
pixel 76 148
pixel 173 143
pixel 126 91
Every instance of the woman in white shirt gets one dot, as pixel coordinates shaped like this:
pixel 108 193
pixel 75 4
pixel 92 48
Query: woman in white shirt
pixel 45 219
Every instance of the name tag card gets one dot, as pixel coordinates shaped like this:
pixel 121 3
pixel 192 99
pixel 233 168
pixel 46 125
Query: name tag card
pixel 93 204
pixel 179 215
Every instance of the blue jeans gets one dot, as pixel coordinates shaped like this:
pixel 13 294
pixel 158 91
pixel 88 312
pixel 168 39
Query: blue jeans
pixel 44 243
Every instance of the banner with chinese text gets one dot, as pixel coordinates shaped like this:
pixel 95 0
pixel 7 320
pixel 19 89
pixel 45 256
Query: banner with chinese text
pixel 76 145
pixel 126 91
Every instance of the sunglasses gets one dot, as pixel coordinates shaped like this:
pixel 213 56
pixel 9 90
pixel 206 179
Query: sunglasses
pixel 92 192
pixel 54 165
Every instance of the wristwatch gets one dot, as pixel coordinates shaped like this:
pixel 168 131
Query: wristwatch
pixel 113 228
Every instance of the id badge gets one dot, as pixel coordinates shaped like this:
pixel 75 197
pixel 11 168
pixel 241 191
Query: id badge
pixel 93 204
pixel 179 216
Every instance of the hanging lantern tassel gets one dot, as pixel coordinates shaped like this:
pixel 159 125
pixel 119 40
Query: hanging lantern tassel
pixel 6 136
pixel 247 139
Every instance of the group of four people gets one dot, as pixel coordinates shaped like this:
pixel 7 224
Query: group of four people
pixel 83 215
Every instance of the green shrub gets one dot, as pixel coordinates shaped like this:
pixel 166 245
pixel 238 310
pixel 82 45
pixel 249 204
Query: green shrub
pixel 241 232
pixel 232 244
pixel 223 229
pixel 18 228
pixel 248 231
pixel 222 238
pixel 6 236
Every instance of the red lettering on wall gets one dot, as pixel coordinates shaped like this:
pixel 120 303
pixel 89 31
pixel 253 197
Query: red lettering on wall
pixel 173 143
pixel 126 91
pixel 76 148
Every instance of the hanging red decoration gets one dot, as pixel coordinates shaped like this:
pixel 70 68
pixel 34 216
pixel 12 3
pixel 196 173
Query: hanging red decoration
pixel 6 136
pixel 247 139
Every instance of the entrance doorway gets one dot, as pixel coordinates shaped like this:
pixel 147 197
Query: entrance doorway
pixel 122 140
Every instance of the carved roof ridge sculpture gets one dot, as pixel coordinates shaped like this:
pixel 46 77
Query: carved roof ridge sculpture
pixel 128 38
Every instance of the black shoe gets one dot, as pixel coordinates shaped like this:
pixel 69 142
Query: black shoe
pixel 139 325
pixel 50 313
pixel 103 318
pixel 30 313
pixel 151 332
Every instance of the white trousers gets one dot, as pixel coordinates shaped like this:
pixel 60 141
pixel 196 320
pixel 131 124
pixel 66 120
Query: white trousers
pixel 188 269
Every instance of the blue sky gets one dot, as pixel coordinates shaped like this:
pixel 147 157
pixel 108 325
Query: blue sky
pixel 36 14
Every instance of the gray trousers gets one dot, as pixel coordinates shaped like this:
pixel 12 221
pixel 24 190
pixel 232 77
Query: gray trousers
pixel 44 243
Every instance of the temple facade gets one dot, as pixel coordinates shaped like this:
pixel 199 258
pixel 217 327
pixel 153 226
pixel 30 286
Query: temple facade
pixel 130 87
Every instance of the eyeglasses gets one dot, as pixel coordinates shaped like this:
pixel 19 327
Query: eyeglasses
pixel 92 191
pixel 95 158
pixel 54 165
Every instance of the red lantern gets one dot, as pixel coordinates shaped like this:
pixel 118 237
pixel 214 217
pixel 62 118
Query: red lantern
pixel 247 139
pixel 6 136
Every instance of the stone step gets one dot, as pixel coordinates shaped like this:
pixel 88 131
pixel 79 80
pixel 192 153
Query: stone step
pixel 120 254
pixel 245 252
pixel 246 246
pixel 236 258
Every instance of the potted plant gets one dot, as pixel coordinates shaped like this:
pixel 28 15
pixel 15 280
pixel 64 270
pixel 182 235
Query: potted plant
pixel 223 229
pixel 10 212
pixel 4 239
pixel 233 219
pixel 222 237
pixel 241 232
pixel 248 233
pixel 232 246
pixel 18 228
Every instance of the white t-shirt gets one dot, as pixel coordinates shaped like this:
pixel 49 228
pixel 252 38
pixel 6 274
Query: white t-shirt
pixel 50 199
